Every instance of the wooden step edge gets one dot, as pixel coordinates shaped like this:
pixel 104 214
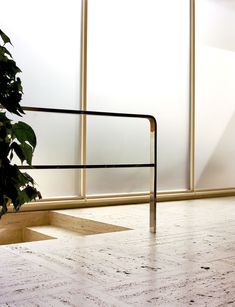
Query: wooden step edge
pixel 54 232
pixel 82 225
pixel 30 234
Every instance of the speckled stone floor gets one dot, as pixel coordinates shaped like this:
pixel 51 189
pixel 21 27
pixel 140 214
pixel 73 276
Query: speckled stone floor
pixel 190 262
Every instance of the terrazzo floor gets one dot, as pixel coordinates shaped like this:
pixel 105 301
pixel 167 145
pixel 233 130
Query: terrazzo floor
pixel 189 262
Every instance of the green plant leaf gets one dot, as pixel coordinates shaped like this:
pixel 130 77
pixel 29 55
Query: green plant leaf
pixel 3 117
pixel 26 178
pixel 19 85
pixel 11 155
pixel 15 139
pixel 26 195
pixel 4 51
pixel 21 199
pixel 18 150
pixel 5 38
pixel 3 132
pixel 28 152
pixel 32 192
pixel 24 152
pixel 24 133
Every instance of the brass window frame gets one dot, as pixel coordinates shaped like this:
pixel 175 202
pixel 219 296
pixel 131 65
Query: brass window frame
pixel 192 192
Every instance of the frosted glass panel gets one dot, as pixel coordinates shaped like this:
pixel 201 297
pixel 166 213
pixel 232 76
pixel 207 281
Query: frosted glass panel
pixel 58 143
pixel 114 141
pixel 46 35
pixel 57 183
pixel 215 94
pixel 138 62
pixel 123 181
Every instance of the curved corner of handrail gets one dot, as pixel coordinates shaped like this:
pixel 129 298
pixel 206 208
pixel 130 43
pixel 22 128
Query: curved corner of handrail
pixel 153 123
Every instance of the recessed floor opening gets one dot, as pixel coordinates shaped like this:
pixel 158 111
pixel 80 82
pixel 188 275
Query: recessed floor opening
pixel 37 226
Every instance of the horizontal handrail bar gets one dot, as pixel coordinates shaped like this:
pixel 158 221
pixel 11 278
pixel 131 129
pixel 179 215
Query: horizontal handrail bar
pixel 90 166
pixel 96 113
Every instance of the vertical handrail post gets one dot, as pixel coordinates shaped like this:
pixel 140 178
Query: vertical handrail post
pixel 83 124
pixel 153 176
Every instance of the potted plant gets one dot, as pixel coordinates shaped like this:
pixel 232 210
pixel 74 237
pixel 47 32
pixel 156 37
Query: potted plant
pixel 16 139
